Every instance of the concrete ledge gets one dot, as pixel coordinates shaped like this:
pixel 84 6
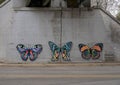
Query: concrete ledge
pixel 47 9
pixel 35 9
pixel 59 64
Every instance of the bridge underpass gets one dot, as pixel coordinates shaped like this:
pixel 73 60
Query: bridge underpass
pixel 60 27
pixel 30 26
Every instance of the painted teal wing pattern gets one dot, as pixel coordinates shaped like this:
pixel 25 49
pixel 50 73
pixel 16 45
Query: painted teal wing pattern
pixel 65 51
pixel 55 51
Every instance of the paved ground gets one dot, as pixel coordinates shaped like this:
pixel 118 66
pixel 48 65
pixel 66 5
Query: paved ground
pixel 60 75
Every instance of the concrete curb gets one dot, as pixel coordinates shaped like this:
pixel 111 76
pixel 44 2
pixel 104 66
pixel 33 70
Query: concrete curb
pixel 58 64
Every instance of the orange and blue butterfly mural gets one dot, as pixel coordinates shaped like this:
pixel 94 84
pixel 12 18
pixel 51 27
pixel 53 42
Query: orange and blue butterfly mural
pixel 29 52
pixel 91 53
pixel 64 51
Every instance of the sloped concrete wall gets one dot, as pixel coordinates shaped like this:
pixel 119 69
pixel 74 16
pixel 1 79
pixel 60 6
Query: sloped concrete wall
pixel 6 22
pixel 113 33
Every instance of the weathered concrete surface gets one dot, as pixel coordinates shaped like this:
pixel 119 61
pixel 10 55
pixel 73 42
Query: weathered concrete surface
pixel 82 27
pixel 113 34
pixel 5 29
pixel 32 26
pixel 19 3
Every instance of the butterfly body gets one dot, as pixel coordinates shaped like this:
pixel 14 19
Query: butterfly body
pixel 91 53
pixel 64 51
pixel 31 53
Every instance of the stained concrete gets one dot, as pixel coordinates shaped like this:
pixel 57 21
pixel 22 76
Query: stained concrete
pixel 31 26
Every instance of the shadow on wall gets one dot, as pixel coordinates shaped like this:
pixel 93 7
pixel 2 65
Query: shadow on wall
pixel 115 32
pixel 39 3
pixel 115 37
pixel 58 3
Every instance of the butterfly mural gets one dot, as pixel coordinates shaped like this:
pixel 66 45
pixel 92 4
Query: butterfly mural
pixel 91 53
pixel 57 51
pixel 31 53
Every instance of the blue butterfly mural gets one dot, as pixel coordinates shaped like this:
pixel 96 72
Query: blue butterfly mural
pixel 57 51
pixel 31 53
pixel 91 53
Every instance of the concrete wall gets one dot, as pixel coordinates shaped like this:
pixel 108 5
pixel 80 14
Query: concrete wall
pixel 32 26
pixel 5 29
pixel 113 33
pixel 19 3
pixel 82 27
pixel 35 27
pixel 40 26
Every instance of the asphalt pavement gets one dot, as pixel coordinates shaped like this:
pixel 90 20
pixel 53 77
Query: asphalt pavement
pixel 60 74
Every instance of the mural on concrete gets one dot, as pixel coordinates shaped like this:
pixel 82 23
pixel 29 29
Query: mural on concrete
pixel 31 53
pixel 64 51
pixel 91 53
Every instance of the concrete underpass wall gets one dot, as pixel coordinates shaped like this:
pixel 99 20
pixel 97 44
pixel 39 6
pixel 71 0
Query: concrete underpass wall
pixel 83 26
pixel 37 26
pixel 30 26
pixel 6 18
pixel 113 33
pixel 19 3
pixel 34 27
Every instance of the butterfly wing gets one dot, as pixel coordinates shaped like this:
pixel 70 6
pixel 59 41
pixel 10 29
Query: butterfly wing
pixel 23 51
pixel 55 51
pixel 35 51
pixel 96 50
pixel 66 51
pixel 85 50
